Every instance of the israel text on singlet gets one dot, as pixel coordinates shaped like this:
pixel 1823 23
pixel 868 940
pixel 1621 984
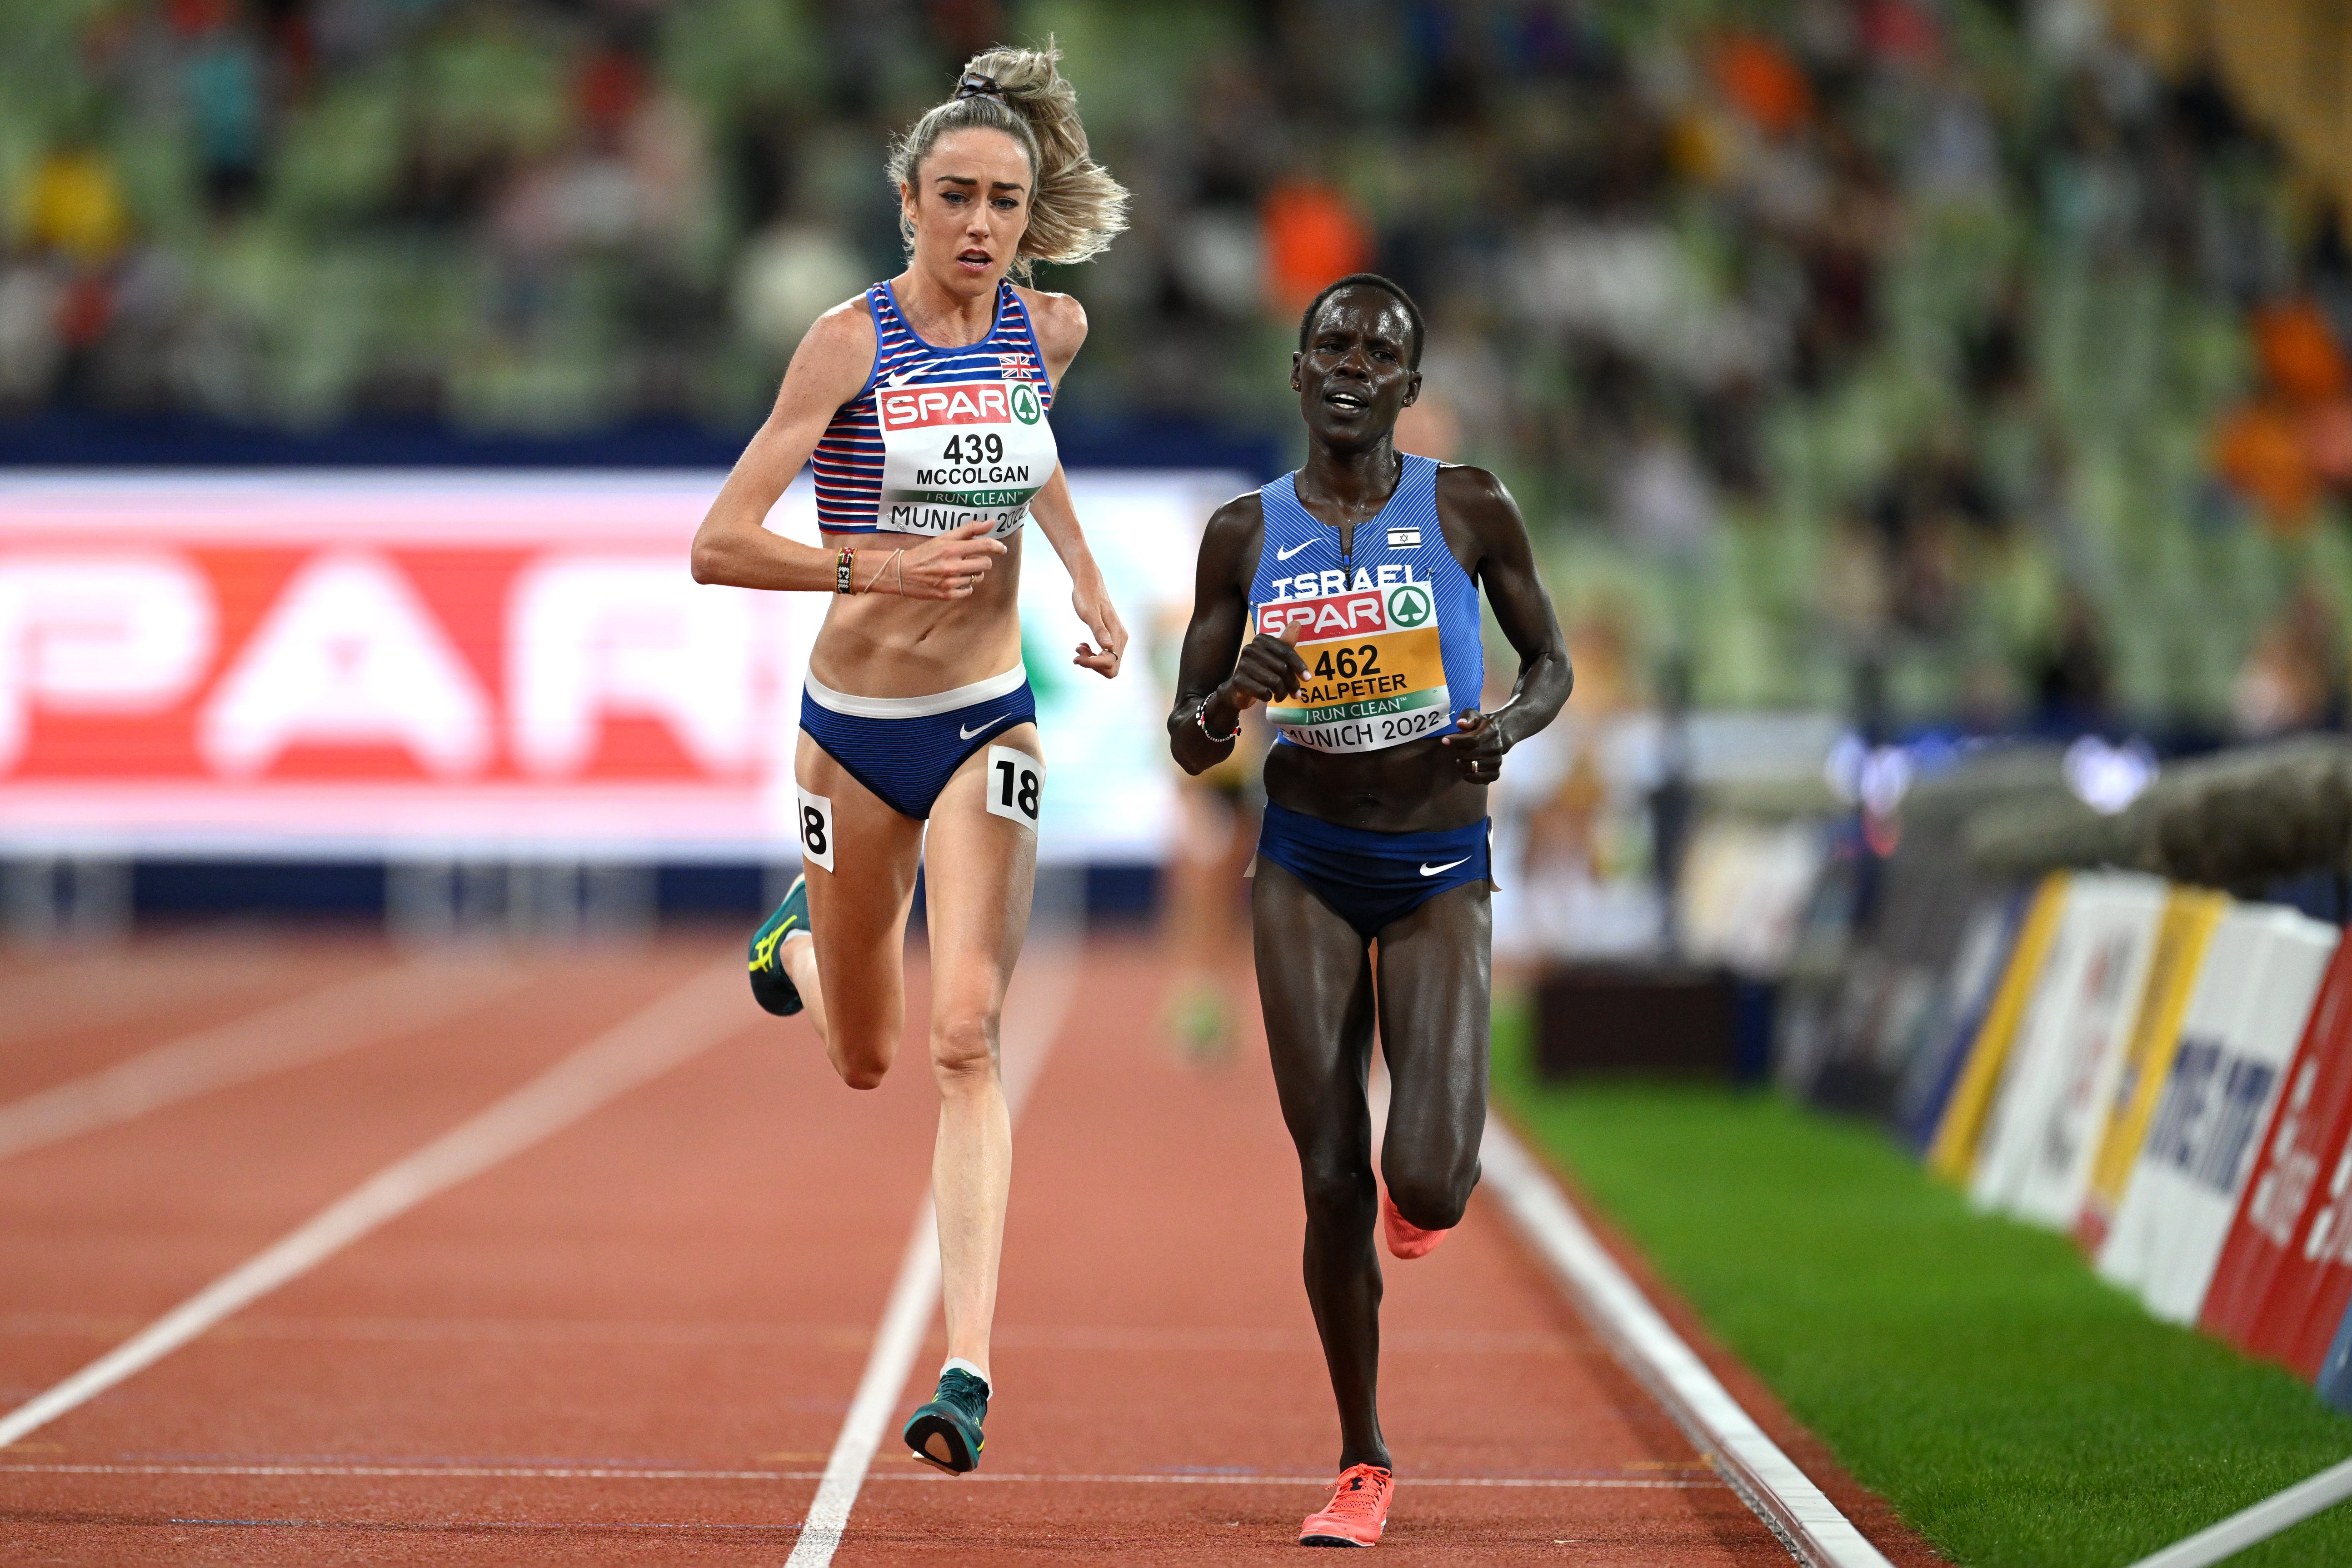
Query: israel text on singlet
pixel 1390 633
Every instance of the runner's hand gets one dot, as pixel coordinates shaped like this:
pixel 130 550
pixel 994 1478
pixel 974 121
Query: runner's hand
pixel 1478 746
pixel 1092 602
pixel 948 567
pixel 1269 667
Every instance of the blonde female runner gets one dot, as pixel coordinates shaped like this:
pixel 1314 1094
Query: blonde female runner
pixel 924 403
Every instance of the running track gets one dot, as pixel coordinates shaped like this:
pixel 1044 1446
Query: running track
pixel 635 1337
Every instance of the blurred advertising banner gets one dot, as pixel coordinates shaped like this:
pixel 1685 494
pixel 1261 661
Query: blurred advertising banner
pixel 503 664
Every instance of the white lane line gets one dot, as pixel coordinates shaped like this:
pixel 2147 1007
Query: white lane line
pixel 318 1023
pixel 914 1296
pixel 1782 1495
pixel 625 1473
pixel 2260 1522
pixel 1035 1006
pixel 663 1036
pixel 53 997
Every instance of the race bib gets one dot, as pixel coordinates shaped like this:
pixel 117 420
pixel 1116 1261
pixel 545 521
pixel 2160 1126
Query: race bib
pixel 1375 669
pixel 816 829
pixel 1016 785
pixel 960 453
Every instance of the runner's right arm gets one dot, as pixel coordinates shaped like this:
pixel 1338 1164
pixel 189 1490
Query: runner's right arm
pixel 1269 667
pixel 733 545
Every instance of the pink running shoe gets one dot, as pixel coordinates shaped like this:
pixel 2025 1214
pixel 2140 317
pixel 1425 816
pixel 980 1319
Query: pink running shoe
pixel 1406 1240
pixel 1358 1509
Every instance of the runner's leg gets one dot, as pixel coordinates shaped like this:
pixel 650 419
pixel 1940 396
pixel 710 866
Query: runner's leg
pixel 1434 996
pixel 851 973
pixel 983 872
pixel 1315 985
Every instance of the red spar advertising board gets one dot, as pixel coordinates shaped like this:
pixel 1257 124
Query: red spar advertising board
pixel 290 665
pixel 2264 1284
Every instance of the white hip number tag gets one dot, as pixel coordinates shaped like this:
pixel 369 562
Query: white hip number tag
pixel 1016 781
pixel 815 828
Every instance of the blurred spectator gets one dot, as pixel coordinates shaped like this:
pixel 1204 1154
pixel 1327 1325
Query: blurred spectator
pixel 790 275
pixel 1430 427
pixel 1313 234
pixel 2075 687
pixel 223 73
pixel 73 203
pixel 1844 328
pixel 1664 505
pixel 2294 676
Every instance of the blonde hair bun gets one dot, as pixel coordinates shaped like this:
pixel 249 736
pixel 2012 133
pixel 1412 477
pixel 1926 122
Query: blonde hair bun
pixel 1077 207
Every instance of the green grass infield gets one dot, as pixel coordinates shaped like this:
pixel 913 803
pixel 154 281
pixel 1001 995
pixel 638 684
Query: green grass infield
pixel 1972 1371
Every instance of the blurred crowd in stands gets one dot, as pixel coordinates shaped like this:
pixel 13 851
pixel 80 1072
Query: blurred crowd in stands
pixel 1936 362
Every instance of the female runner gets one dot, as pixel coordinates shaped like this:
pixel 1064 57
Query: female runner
pixel 924 403
pixel 1359 576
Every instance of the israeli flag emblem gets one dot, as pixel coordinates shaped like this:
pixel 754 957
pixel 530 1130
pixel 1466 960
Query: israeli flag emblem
pixel 1404 538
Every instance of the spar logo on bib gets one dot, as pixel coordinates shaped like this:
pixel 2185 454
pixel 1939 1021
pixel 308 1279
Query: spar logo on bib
pixel 1409 606
pixel 983 403
pixel 1025 406
pixel 1340 616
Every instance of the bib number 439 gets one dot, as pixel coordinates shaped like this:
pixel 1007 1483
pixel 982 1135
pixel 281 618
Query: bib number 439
pixel 1016 784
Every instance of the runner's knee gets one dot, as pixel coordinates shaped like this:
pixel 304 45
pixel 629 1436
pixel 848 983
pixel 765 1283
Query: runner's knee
pixel 860 1065
pixel 964 1047
pixel 1428 1192
pixel 1338 1192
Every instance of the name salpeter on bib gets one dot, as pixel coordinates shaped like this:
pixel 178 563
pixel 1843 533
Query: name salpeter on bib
pixel 960 453
pixel 1375 669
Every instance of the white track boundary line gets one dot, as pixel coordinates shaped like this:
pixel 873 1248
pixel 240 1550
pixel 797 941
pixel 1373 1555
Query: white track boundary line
pixel 1032 1016
pixel 2258 1523
pixel 335 1018
pixel 1769 1482
pixel 651 1042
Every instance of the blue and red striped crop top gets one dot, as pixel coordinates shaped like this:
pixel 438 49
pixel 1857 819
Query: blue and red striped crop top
pixel 938 438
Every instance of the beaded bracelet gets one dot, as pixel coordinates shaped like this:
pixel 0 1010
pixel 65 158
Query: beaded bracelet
pixel 1200 717
pixel 840 569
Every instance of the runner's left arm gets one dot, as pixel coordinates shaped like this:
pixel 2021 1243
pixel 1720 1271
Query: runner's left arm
pixel 1057 519
pixel 1060 323
pixel 1476 501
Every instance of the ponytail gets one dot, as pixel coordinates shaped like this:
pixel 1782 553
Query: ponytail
pixel 1075 208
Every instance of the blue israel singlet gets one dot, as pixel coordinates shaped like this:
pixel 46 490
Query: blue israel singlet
pixel 1391 633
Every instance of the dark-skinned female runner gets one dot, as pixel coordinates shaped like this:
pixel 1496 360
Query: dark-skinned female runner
pixel 1354 584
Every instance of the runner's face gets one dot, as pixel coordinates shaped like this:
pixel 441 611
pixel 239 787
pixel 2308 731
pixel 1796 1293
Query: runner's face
pixel 1353 380
pixel 970 205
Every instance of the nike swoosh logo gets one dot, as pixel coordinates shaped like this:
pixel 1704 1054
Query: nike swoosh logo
pixel 1428 870
pixel 898 378
pixel 962 734
pixel 1286 554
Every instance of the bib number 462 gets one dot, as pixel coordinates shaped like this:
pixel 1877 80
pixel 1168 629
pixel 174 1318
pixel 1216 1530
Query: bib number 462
pixel 1016 781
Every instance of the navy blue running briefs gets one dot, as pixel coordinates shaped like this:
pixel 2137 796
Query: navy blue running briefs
pixel 904 758
pixel 1371 880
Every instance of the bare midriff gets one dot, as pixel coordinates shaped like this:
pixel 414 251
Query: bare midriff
pixel 876 643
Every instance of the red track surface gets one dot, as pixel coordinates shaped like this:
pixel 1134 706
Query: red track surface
pixel 677 1294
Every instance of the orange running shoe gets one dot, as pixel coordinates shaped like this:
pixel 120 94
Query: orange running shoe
pixel 1357 1509
pixel 1406 1240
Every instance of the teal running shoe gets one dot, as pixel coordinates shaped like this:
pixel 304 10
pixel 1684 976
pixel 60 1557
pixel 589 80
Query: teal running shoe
pixel 771 986
pixel 945 1433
